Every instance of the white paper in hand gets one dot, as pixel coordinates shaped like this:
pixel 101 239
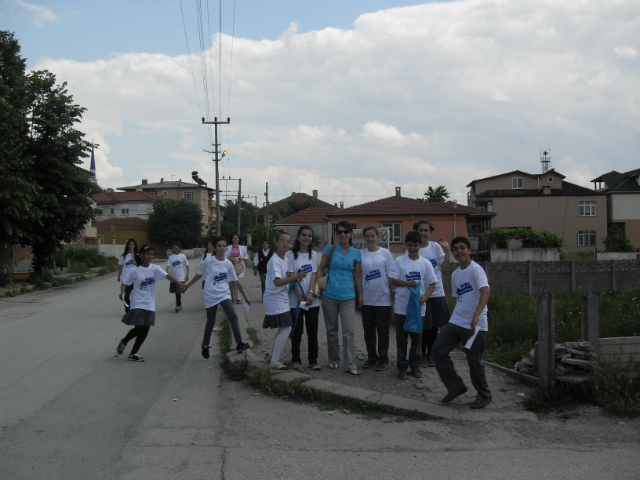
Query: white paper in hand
pixel 304 305
pixel 473 337
pixel 245 305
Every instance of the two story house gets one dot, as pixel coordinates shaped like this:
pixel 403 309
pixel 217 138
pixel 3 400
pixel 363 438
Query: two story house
pixel 112 205
pixel 623 201
pixel 544 201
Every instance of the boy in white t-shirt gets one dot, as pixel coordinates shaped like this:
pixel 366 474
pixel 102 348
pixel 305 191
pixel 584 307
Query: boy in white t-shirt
pixel 407 271
pixel 176 265
pixel 468 323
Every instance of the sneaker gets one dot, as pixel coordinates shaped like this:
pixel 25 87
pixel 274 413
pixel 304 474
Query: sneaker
pixel 295 364
pixel 177 309
pixel 425 361
pixel 369 364
pixel 402 375
pixel 241 347
pixel 136 358
pixel 315 366
pixel 382 366
pixel 430 361
pixel 480 402
pixel 205 351
pixel 452 395
pixel 121 347
pixel 415 374
pixel 278 366
pixel 267 357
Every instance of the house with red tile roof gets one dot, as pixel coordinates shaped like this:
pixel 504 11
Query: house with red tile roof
pixel 316 218
pixel 279 209
pixel 399 213
pixel 544 201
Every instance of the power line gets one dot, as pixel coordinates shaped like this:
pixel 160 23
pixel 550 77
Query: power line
pixel 210 61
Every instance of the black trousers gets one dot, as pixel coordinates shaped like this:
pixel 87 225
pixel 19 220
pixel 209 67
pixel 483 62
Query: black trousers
pixel 139 332
pixel 127 297
pixel 310 317
pixel 375 323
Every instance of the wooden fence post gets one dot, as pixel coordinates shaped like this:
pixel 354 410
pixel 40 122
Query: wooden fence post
pixel 546 342
pixel 590 326
pixel 613 275
pixel 530 276
pixel 573 276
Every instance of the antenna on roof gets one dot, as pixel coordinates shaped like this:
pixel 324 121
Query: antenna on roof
pixel 545 159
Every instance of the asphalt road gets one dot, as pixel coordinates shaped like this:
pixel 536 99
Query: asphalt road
pixel 70 408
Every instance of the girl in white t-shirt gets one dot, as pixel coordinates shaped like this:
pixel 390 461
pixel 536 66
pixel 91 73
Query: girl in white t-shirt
pixel 177 263
pixel 302 258
pixel 238 255
pixel 437 312
pixel 276 299
pixel 142 314
pixel 126 263
pixel 219 274
pixel 376 309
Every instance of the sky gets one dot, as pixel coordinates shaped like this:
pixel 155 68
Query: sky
pixel 351 98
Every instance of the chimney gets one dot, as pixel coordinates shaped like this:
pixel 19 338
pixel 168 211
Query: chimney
pixel 455 203
pixel 315 194
pixel 398 192
pixel 341 204
pixel 144 181
pixel 335 205
pixel 293 193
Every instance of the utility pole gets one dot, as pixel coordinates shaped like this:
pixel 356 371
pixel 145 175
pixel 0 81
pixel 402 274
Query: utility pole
pixel 266 194
pixel 215 123
pixel 239 202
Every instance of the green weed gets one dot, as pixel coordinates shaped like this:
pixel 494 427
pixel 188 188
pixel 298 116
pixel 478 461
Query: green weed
pixel 253 335
pixel 614 391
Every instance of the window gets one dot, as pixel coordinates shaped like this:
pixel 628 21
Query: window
pixel 516 183
pixel 142 209
pixel 586 238
pixel 204 194
pixel 112 211
pixel 587 209
pixel 550 179
pixel 188 195
pixel 164 195
pixel 125 211
pixel 395 231
pixel 204 210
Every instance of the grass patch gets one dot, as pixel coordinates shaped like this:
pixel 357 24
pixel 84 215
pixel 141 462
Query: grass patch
pixel 253 335
pixel 513 321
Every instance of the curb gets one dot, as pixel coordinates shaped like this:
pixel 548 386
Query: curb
pixel 371 396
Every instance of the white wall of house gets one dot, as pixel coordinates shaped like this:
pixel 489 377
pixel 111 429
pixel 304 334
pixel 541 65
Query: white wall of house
pixel 124 210
pixel 625 206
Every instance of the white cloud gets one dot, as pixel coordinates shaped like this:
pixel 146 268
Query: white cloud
pixel 434 94
pixel 105 172
pixel 42 14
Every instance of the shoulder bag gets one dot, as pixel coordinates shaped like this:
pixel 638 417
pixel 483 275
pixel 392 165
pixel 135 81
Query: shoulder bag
pixel 323 281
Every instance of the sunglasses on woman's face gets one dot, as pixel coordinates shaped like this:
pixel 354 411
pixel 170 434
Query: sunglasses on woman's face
pixel 342 232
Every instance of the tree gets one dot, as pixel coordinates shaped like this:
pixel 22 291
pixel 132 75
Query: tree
pixel 175 221
pixel 294 207
pixel 45 198
pixel 230 219
pixel 614 241
pixel 440 194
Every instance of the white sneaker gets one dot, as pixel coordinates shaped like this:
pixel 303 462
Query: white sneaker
pixel 267 357
pixel 278 366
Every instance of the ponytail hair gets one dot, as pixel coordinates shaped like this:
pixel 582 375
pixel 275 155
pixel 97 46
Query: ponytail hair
pixel 143 249
pixel 126 247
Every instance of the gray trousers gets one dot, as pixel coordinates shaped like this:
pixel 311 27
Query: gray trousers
pixel 211 321
pixel 347 310
pixel 450 336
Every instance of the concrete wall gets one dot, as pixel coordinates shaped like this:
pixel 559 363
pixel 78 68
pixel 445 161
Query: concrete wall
pixel 625 206
pixel 525 254
pixel 625 351
pixel 558 215
pixel 110 250
pixel 617 255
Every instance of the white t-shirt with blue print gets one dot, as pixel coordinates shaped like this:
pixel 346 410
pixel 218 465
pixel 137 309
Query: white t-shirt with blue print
pixel 434 253
pixel 302 264
pixel 144 286
pixel 465 285
pixel 217 275
pixel 177 264
pixel 127 264
pixel 376 267
pixel 406 269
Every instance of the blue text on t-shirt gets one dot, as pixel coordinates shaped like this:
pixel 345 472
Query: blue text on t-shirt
pixel 146 282
pixel 372 275
pixel 219 278
pixel 305 268
pixel 413 276
pixel 462 289
pixel 434 262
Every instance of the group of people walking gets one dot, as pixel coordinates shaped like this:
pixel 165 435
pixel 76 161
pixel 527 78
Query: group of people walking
pixel 294 286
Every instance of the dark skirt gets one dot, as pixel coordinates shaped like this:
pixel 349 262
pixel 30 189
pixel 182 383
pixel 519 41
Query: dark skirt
pixel 278 321
pixel 138 316
pixel 436 314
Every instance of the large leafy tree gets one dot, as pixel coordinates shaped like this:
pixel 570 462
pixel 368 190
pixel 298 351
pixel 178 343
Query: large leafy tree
pixel 44 197
pixel 175 220
pixel 230 219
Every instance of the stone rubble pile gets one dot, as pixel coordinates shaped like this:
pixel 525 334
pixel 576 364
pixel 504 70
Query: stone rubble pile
pixel 574 362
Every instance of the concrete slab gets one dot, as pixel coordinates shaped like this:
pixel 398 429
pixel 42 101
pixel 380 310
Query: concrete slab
pixel 321 385
pixel 358 393
pixel 422 407
pixel 287 377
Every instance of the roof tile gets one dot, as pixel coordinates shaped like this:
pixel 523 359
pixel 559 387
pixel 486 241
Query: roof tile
pixel 407 206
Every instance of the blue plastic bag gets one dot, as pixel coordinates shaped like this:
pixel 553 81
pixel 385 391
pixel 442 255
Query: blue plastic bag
pixel 413 322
